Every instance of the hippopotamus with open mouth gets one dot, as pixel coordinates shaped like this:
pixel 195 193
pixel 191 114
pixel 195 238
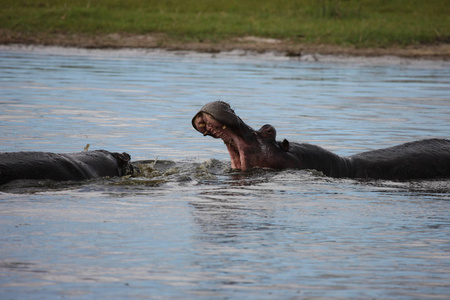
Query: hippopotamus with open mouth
pixel 251 148
pixel 62 167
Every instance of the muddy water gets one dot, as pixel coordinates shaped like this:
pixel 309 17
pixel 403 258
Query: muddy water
pixel 191 227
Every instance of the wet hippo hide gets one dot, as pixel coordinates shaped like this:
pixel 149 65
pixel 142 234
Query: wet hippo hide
pixel 61 167
pixel 414 160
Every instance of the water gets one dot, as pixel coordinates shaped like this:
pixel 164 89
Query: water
pixel 191 228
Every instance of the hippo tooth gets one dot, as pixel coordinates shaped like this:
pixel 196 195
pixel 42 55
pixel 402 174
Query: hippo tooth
pixel 205 133
pixel 201 125
pixel 224 127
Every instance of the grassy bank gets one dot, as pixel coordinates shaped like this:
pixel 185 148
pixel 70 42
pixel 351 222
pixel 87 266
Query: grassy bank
pixel 364 23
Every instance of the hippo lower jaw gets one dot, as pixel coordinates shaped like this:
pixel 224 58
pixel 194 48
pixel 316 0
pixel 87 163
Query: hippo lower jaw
pixel 207 125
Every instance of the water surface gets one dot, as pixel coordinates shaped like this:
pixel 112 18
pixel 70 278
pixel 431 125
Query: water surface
pixel 191 227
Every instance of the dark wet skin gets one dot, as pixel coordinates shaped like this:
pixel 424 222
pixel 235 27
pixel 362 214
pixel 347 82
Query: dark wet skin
pixel 62 167
pixel 251 148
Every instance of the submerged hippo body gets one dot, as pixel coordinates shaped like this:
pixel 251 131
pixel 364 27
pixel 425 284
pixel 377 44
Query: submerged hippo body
pixel 249 148
pixel 61 167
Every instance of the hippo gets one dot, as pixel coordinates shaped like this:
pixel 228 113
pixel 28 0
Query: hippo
pixel 62 167
pixel 249 148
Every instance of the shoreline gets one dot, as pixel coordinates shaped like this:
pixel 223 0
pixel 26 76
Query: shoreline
pixel 287 48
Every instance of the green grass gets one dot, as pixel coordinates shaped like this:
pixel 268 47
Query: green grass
pixel 363 23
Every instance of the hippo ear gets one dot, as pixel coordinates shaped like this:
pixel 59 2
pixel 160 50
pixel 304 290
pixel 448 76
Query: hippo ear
pixel 122 157
pixel 285 145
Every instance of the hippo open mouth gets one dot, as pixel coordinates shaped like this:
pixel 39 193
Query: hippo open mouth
pixel 247 147
pixel 218 120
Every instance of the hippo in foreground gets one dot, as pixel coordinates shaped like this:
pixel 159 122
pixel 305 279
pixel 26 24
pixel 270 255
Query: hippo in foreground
pixel 251 148
pixel 62 167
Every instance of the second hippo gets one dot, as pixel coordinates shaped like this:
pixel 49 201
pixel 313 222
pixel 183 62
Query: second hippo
pixel 62 166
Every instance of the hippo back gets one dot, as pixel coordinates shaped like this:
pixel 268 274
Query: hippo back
pixel 70 166
pixel 415 160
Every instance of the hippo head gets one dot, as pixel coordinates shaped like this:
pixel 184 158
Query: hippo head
pixel 248 148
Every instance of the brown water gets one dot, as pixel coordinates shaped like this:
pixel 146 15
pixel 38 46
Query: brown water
pixel 191 228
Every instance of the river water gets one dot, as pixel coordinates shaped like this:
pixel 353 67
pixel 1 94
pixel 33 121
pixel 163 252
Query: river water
pixel 193 229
